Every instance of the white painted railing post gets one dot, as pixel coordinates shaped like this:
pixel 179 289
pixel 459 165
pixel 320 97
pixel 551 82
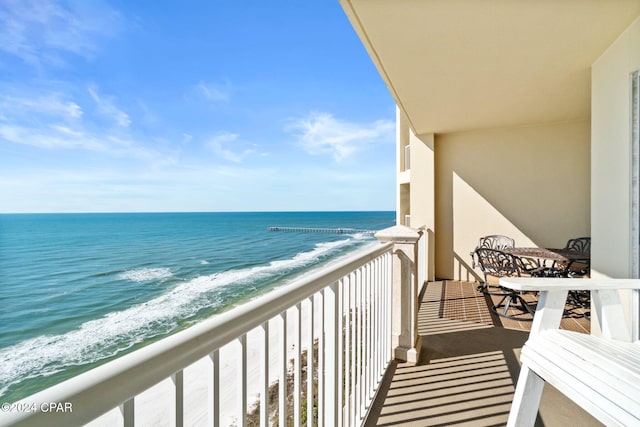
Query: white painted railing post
pixel 404 311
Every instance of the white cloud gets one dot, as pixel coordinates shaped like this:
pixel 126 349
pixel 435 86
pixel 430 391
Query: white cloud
pixel 220 144
pixel 322 134
pixel 53 105
pixel 106 107
pixel 57 136
pixel 213 92
pixel 41 32
pixel 53 120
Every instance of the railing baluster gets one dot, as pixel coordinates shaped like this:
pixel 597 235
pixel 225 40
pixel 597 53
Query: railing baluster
pixel 264 371
pixel 128 410
pixel 282 384
pixel 178 384
pixel 389 301
pixel 310 361
pixel 373 367
pixel 243 375
pixel 321 359
pixel 358 346
pixel 380 309
pixel 367 329
pixel 214 389
pixel 339 343
pixel 346 294
pixel 297 369
pixel 332 405
pixel 365 341
pixel 371 331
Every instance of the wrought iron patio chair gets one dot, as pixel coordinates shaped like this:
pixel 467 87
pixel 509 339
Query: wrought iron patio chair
pixel 579 268
pixel 494 264
pixel 493 241
pixel 580 245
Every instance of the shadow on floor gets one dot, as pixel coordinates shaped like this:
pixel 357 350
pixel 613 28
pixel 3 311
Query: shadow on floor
pixel 467 370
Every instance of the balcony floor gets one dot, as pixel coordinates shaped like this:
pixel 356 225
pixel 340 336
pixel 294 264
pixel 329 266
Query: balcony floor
pixel 468 367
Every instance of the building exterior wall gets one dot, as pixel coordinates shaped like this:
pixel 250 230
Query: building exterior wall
pixel 402 167
pixel 423 194
pixel 530 183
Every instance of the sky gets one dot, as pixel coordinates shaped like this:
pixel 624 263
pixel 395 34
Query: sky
pixel 212 105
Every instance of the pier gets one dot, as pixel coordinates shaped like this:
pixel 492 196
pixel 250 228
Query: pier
pixel 322 230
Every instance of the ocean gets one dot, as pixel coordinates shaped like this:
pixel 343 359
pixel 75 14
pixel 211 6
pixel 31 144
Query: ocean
pixel 77 290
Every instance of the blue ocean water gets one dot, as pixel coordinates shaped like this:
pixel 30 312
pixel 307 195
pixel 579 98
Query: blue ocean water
pixel 77 290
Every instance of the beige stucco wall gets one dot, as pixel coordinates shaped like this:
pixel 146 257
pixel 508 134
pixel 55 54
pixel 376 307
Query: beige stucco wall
pixel 423 193
pixel 611 149
pixel 531 183
pixel 403 133
pixel 422 181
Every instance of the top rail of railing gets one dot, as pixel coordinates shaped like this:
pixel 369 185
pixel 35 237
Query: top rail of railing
pixel 108 386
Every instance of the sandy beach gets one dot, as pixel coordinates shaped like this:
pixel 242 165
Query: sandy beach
pixel 154 407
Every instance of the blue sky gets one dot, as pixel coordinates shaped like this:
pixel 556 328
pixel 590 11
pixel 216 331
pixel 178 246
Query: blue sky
pixel 190 106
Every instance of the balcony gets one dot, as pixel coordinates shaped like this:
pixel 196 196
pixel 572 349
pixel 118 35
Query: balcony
pixel 251 365
pixel 468 367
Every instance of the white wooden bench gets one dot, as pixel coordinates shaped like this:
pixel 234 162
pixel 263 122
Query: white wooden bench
pixel 601 374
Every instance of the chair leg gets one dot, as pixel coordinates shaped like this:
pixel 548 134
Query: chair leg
pixel 526 399
pixel 513 299
pixel 507 302
pixel 525 307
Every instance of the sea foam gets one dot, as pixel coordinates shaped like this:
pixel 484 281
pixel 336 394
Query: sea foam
pixel 145 274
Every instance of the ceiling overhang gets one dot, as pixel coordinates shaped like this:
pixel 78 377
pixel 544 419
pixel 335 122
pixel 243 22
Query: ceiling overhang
pixel 458 65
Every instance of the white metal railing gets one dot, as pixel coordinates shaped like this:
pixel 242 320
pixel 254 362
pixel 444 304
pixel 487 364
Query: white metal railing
pixel 334 324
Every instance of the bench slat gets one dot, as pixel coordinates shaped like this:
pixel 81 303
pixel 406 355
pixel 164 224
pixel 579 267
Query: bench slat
pixel 593 402
pixel 601 375
pixel 595 372
pixel 626 355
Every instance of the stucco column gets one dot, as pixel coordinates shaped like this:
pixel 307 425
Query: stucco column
pixel 404 312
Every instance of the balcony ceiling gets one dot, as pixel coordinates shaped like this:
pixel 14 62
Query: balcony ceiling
pixel 457 65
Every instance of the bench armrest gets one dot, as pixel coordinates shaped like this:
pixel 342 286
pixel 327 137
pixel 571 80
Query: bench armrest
pixel 557 284
pixel 553 295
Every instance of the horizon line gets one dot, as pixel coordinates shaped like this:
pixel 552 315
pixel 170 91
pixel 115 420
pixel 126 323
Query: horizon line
pixel 186 212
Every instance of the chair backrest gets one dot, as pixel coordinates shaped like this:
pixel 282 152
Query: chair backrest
pixel 496 241
pixel 496 263
pixel 580 244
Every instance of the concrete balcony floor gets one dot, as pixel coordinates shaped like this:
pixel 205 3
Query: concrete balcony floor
pixel 468 367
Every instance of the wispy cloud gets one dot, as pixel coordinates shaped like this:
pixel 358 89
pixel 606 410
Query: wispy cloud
pixel 53 104
pixel 229 147
pixel 322 134
pixel 55 121
pixel 42 32
pixel 54 137
pixel 107 108
pixel 214 92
